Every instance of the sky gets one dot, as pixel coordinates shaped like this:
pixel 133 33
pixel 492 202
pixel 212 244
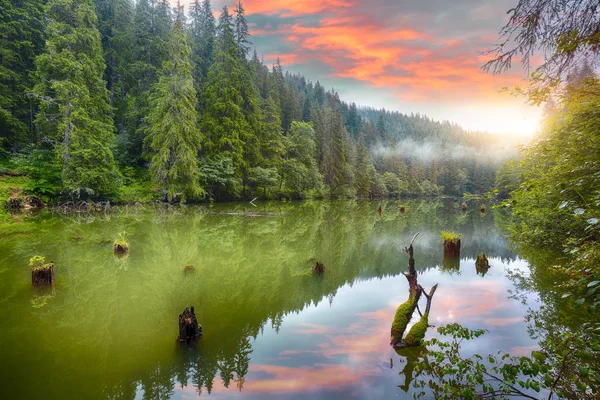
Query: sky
pixel 405 55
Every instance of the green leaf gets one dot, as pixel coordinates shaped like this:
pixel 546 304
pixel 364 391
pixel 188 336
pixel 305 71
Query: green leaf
pixel 565 295
pixel 594 283
pixel 579 302
pixel 584 371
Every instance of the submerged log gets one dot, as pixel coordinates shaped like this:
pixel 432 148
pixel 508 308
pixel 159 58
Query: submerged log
pixel 43 275
pixel 452 248
pixel 188 326
pixel 319 268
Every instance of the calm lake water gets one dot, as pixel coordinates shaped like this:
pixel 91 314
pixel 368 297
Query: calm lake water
pixel 107 328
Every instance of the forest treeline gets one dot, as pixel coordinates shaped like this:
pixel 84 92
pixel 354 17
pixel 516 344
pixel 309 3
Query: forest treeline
pixel 118 100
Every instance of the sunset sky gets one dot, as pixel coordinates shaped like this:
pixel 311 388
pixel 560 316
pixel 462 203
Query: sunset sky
pixel 405 55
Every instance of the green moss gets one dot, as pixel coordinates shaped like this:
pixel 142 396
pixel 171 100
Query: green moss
pixel 451 236
pixel 415 336
pixel 401 319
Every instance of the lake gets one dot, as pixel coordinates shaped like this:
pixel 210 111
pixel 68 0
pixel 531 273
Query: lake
pixel 272 329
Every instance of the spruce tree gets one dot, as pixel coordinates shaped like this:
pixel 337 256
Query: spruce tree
pixel 362 165
pixel 334 152
pixel 174 138
pixel 223 120
pixel 241 30
pixel 74 108
pixel 202 41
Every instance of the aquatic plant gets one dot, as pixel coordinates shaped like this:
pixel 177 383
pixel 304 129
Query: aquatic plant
pixel 37 263
pixel 120 244
pixel 451 236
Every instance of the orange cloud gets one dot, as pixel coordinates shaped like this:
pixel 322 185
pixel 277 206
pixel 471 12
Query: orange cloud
pixel 411 62
pixel 291 8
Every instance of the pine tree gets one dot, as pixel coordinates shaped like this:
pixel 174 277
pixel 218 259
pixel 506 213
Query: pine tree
pixel 21 40
pixel 174 138
pixel 202 42
pixel 241 30
pixel 223 121
pixel 74 108
pixel 362 183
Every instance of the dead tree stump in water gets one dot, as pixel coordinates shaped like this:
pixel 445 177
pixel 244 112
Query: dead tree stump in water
pixel 379 210
pixel 482 265
pixel 43 275
pixel 406 310
pixel 464 206
pixel 452 248
pixel 188 326
pixel 319 268
pixel 402 209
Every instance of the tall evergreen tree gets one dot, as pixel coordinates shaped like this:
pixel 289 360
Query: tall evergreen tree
pixel 21 40
pixel 362 182
pixel 334 157
pixel 74 109
pixel 223 121
pixel 241 30
pixel 174 139
pixel 202 42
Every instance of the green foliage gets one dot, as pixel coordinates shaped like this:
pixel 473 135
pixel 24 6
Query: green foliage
pixel 37 263
pixel 449 375
pixel 450 236
pixel 218 176
pixel 299 174
pixel 74 109
pixel 43 171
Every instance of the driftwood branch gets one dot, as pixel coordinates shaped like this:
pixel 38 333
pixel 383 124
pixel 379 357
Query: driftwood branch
pixel 409 248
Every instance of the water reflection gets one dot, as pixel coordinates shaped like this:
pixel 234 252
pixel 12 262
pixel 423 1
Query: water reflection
pixel 109 328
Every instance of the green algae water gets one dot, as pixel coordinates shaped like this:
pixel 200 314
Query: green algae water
pixel 272 329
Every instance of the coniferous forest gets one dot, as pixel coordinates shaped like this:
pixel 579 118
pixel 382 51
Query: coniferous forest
pixel 124 101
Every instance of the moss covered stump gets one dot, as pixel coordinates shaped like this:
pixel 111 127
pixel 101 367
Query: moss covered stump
pixel 43 275
pixel 482 265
